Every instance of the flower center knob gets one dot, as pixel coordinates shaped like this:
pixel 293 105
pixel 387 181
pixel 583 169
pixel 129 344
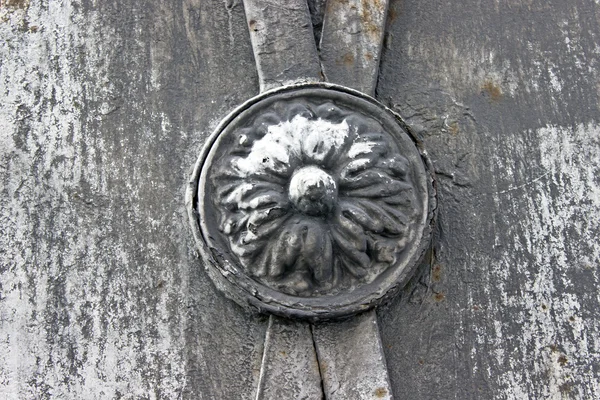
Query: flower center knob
pixel 313 191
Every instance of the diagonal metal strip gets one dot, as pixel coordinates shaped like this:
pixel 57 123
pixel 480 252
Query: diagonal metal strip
pixel 351 359
pixel 289 366
pixel 351 42
pixel 283 42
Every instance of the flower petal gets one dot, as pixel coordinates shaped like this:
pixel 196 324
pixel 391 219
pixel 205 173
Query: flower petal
pixel 404 199
pixel 385 251
pixel 397 166
pixel 355 264
pixel 244 249
pixel 324 141
pixel 298 109
pixel 269 199
pixel 365 179
pixel 254 234
pixel 232 223
pixel 367 149
pixel 264 121
pixel 317 253
pixel 266 161
pixel 234 194
pixel 330 112
pixel 256 248
pixel 350 230
pixel 350 239
pixel 259 217
pixel 355 166
pixel 282 251
pixel 394 221
pixel 381 189
pixel 353 211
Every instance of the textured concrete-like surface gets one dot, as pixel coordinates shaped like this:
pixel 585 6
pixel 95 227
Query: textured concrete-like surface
pixel 105 105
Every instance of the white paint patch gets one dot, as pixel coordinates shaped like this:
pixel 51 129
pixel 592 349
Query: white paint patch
pixel 555 81
pixel 541 316
pixel 314 139
pixel 361 148
pixel 237 194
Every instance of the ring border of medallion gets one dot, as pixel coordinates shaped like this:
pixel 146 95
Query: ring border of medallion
pixel 247 292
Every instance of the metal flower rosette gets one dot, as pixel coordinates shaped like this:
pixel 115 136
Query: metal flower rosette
pixel 311 201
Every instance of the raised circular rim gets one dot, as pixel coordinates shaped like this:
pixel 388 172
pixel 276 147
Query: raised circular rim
pixel 247 291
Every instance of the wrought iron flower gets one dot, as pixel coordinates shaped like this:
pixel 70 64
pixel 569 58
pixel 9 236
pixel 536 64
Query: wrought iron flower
pixel 314 198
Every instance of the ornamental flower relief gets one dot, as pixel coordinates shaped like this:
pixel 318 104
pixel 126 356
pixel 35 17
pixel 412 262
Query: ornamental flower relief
pixel 313 198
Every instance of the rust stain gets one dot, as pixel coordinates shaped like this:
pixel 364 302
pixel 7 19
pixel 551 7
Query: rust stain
pixel 370 9
pixel 439 297
pixel 493 90
pixel 369 56
pixel 283 353
pixel 252 24
pixel 436 274
pixel 562 360
pixel 15 4
pixel 392 15
pixel 380 392
pixel 347 59
pixel 323 367
pixel 454 128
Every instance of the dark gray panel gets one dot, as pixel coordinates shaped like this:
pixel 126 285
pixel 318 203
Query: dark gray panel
pixel 505 96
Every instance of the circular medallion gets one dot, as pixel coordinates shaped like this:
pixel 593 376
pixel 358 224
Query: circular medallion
pixel 311 201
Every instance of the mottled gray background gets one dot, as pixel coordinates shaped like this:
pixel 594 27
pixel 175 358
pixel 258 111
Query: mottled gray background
pixel 104 105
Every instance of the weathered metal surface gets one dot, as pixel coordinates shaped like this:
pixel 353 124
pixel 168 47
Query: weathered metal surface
pixel 351 42
pixel 105 106
pixel 283 42
pixel 289 364
pixel 351 359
